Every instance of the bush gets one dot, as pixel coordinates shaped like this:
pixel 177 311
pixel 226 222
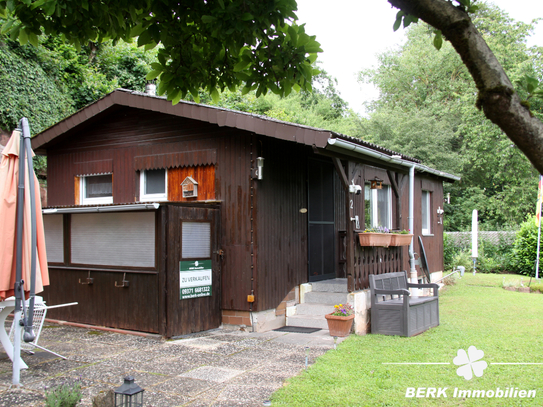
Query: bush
pixel 525 248
pixel 64 395
pixel 463 258
pixel 493 257
pixel 449 250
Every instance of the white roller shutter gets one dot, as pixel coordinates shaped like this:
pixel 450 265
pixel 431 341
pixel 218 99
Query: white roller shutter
pixel 114 239
pixel 54 238
pixel 196 240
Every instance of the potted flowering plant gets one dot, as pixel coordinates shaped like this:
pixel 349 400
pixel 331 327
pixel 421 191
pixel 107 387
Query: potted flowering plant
pixel 382 236
pixel 341 320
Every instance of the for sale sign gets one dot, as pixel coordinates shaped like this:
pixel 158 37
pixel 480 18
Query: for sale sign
pixel 194 279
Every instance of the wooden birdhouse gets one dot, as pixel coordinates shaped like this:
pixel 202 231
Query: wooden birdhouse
pixel 376 183
pixel 189 187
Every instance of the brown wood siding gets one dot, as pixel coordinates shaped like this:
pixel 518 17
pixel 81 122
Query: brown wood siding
pixel 233 189
pixel 433 243
pixel 281 227
pixel 203 175
pixel 176 159
pixel 101 303
pixel 120 140
pixel 131 133
pixel 340 226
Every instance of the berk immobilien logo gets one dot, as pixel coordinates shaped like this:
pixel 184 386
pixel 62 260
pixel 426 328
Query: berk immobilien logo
pixel 470 364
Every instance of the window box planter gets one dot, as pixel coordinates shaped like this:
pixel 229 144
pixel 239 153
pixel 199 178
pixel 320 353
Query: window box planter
pixel 401 240
pixel 384 239
pixel 339 326
pixel 375 239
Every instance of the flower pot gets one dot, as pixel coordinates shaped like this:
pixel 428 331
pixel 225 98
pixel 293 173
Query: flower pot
pixel 401 240
pixel 339 326
pixel 375 239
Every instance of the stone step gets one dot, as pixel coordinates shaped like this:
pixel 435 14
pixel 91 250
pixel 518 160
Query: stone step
pixel 338 285
pixel 314 309
pixel 325 298
pixel 308 321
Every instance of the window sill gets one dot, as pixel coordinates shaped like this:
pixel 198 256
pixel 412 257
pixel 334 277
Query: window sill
pixel 428 235
pixel 151 198
pixel 97 201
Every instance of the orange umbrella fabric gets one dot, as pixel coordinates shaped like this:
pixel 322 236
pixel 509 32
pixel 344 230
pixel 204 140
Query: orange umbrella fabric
pixel 9 174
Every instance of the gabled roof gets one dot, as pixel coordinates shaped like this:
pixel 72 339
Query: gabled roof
pixel 297 133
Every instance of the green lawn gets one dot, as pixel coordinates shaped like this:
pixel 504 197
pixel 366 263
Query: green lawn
pixel 507 326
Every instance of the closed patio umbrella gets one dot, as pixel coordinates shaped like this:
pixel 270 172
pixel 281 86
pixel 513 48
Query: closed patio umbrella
pixel 23 260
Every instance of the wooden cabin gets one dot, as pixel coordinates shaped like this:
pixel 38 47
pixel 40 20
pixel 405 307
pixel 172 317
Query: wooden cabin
pixel 176 219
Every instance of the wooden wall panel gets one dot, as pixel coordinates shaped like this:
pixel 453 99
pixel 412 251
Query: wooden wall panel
pixel 203 175
pixel 117 142
pixel 233 190
pixel 133 308
pixel 281 229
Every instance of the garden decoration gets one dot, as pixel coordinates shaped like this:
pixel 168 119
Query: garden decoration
pixel 340 321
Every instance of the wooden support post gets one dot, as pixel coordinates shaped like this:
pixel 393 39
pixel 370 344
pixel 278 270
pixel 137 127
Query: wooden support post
pixel 398 195
pixel 350 230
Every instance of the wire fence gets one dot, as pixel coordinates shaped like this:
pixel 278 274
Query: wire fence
pixel 462 240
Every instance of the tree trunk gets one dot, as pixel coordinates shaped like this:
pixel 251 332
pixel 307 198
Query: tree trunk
pixel 497 97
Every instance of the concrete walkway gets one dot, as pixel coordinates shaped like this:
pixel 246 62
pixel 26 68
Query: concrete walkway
pixel 214 368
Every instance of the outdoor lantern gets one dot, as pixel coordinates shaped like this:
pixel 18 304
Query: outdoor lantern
pixel 259 168
pixel 129 394
pixel 376 183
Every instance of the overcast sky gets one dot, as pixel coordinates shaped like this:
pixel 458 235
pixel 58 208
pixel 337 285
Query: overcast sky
pixel 353 32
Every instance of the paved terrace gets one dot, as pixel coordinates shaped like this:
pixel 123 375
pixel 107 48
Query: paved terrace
pixel 214 368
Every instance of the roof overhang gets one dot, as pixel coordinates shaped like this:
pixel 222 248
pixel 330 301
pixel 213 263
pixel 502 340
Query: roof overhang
pixel 322 141
pixel 105 208
pixel 350 148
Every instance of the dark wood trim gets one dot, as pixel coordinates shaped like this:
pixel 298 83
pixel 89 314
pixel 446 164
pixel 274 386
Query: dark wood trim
pixel 341 171
pixel 350 235
pixel 397 192
pixel 112 270
pixel 393 183
pixel 162 268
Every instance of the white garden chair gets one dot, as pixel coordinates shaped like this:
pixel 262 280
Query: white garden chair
pixel 40 311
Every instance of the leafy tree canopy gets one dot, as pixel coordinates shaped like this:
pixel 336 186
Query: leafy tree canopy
pixel 496 96
pixel 214 45
pixel 323 107
pixel 427 109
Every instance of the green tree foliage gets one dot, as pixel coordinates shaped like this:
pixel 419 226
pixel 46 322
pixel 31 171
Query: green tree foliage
pixel 28 90
pixel 323 107
pixel 427 110
pixel 214 45
pixel 51 81
pixel 525 248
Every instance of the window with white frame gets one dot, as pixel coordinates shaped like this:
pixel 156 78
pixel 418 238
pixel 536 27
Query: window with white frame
pixel 425 207
pixel 97 189
pixel 154 185
pixel 378 206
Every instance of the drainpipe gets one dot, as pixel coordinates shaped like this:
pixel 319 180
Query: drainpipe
pixel 411 221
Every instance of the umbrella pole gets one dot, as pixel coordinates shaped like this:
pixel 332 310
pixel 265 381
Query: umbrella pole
pixel 29 335
pixel 19 266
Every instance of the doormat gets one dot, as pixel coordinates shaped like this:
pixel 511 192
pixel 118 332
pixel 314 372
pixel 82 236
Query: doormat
pixel 297 329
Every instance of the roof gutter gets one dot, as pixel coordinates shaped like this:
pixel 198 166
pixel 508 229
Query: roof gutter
pixel 113 208
pixel 350 146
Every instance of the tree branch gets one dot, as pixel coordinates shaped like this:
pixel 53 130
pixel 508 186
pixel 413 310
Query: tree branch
pixel 497 96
